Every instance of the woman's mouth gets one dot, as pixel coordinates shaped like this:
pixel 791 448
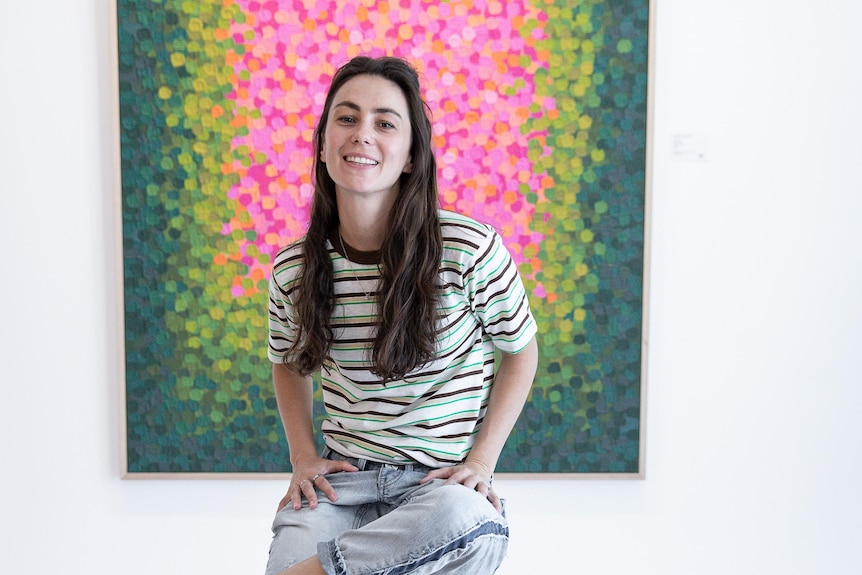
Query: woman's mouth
pixel 360 160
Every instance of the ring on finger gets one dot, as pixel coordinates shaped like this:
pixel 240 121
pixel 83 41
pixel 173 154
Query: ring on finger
pixel 301 482
pixel 313 479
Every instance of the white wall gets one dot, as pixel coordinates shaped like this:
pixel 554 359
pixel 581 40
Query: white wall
pixel 753 430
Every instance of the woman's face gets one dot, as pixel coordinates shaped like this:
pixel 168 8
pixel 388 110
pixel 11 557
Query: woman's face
pixel 366 143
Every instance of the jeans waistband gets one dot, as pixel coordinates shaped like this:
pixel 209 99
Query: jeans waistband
pixel 370 465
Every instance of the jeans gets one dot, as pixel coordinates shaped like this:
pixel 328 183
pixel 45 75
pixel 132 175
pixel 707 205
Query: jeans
pixel 386 522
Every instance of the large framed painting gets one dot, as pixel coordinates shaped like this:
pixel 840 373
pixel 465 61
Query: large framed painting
pixel 541 115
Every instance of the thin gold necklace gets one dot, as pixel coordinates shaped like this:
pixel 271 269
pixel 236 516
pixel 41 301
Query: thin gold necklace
pixel 350 265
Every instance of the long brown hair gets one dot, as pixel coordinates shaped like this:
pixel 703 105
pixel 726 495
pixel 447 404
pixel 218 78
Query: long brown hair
pixel 410 255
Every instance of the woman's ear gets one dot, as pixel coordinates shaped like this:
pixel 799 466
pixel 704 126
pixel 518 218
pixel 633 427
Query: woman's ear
pixel 408 167
pixel 322 151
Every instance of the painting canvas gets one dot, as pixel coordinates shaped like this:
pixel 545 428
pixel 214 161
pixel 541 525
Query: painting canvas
pixel 540 112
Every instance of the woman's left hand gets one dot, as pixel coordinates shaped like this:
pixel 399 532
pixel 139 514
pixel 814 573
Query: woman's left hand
pixel 471 474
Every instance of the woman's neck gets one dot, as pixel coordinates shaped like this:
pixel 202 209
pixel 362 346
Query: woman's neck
pixel 362 221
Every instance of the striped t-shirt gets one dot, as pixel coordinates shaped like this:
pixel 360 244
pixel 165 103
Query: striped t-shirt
pixel 433 414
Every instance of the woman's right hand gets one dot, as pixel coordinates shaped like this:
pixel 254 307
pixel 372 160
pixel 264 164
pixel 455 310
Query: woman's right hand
pixel 310 473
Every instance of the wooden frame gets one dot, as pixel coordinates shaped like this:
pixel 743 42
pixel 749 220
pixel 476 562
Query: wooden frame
pixel 543 123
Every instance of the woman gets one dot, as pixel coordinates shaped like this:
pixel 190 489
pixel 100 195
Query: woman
pixel 400 306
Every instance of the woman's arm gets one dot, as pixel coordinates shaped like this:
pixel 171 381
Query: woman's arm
pixel 508 394
pixel 294 394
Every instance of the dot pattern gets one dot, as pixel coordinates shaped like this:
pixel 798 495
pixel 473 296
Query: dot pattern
pixel 539 122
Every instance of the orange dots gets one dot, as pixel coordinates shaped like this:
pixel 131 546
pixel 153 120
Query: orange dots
pixel 551 297
pixel 253 64
pixel 438 47
pixel 501 127
pixel 309 25
pixel 547 182
pixel 221 34
pixel 220 259
pixel 231 58
pixel 217 111
pixel 471 117
pixel 405 31
pixel 362 13
pixel 383 7
pixel 510 197
pixel 450 106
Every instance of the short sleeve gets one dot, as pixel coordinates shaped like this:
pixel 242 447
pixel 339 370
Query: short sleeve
pixel 497 296
pixel 282 322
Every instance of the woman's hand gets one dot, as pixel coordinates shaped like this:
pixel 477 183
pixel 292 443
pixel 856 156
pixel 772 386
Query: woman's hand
pixel 472 474
pixel 310 473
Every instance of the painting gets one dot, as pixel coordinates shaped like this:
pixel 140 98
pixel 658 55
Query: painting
pixel 541 117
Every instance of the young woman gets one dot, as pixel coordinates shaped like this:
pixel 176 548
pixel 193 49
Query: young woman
pixel 400 306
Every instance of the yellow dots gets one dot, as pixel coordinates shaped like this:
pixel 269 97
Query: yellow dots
pixel 587 236
pixel 580 315
pixel 165 93
pixel 585 122
pixel 581 270
pixel 178 59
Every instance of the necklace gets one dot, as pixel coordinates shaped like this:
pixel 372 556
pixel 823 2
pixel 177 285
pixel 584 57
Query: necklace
pixel 350 265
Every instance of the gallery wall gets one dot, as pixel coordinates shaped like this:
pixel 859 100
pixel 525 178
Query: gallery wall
pixel 754 348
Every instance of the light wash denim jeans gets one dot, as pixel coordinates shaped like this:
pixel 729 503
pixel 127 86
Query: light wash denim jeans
pixel 386 522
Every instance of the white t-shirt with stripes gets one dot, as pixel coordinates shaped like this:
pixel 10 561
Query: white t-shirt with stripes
pixel 433 414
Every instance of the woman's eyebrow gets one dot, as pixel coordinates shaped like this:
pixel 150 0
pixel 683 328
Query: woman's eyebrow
pixel 352 106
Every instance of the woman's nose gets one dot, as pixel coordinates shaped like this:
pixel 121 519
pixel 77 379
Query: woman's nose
pixel 363 133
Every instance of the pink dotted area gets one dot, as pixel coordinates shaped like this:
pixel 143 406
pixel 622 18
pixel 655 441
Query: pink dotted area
pixel 476 61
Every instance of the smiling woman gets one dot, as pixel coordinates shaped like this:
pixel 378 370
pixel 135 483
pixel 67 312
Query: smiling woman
pixel 417 413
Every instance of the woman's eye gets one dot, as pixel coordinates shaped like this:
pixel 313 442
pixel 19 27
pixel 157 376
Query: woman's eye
pixel 387 125
pixel 345 120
